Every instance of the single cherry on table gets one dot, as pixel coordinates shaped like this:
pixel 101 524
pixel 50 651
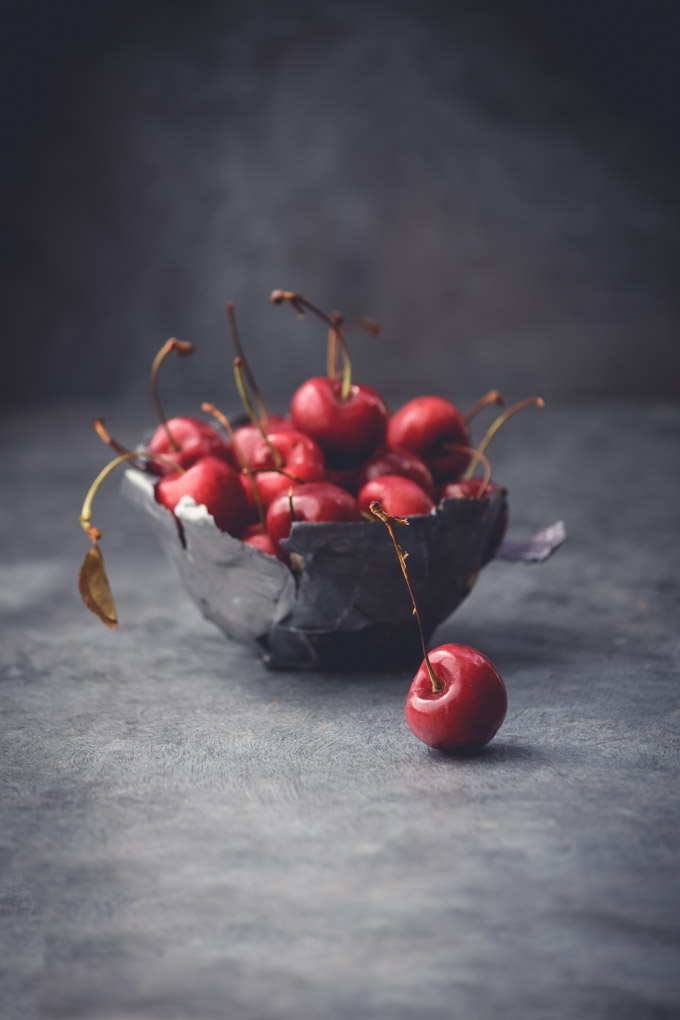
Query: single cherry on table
pixel 468 708
pixel 460 705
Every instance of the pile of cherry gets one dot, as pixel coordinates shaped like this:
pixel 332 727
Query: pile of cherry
pixel 338 456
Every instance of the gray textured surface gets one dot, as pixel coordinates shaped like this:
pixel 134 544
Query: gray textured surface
pixel 184 834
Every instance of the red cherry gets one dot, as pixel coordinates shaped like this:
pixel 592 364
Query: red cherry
pixel 299 456
pixel 397 462
pixel 213 483
pixel 259 539
pixel 348 429
pixel 398 496
pixel 426 425
pixel 249 436
pixel 468 709
pixel 195 439
pixel 316 501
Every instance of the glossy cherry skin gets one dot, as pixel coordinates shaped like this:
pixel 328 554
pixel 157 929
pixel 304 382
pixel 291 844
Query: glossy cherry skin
pixel 300 456
pixel 213 483
pixel 425 425
pixel 469 488
pixel 317 501
pixel 468 712
pixel 249 436
pixel 398 496
pixel 397 462
pixel 348 431
pixel 195 438
pixel 259 539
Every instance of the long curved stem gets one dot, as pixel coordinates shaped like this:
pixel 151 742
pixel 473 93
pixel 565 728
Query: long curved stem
pixel 181 347
pixel 86 511
pixel 299 303
pixel 479 458
pixel 238 374
pixel 388 521
pixel 337 318
pixel 492 397
pixel 106 437
pixel 236 338
pixel 494 427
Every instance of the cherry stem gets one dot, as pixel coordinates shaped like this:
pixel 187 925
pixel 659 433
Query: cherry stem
pixel 370 325
pixel 479 458
pixel 492 397
pixel 235 336
pixel 494 427
pixel 366 323
pixel 300 304
pixel 238 373
pixel 388 521
pixel 293 518
pixel 243 464
pixel 86 512
pixel 181 347
pixel 105 436
pixel 332 353
pixel 280 471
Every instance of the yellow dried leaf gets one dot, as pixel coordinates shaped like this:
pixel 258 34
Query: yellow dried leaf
pixel 94 589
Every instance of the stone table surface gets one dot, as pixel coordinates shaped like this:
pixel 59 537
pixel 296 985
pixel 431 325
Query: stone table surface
pixel 184 834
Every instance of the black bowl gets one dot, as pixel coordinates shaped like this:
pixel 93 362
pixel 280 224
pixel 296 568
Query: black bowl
pixel 344 605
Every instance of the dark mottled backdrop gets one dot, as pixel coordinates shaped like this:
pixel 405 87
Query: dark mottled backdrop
pixel 499 190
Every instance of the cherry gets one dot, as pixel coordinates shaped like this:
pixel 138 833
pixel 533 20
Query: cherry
pixel 399 496
pixel 459 706
pixel 258 537
pixel 247 479
pixel 316 501
pixel 347 428
pixel 427 425
pixel 183 440
pixel 299 456
pixel 467 709
pixel 250 436
pixel 397 462
pixel 193 438
pixel 348 420
pixel 213 483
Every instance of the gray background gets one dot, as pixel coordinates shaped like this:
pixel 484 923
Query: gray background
pixel 498 188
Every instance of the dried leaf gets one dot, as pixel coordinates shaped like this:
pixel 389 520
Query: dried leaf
pixel 94 589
